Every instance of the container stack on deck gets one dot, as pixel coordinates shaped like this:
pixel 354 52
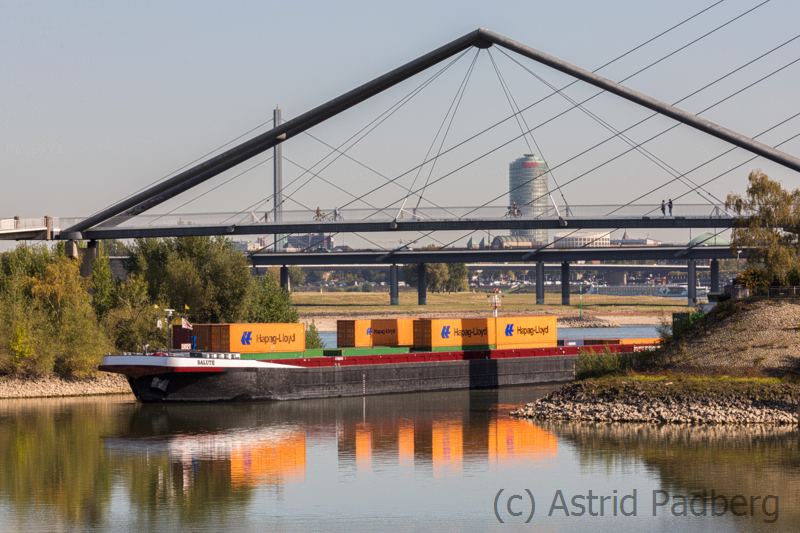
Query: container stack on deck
pixel 252 341
pixel 384 337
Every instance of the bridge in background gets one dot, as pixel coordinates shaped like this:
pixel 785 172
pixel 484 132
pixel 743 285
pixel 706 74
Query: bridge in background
pixel 460 218
pixel 547 255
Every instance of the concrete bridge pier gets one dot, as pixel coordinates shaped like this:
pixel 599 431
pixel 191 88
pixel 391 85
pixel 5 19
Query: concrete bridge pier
pixel 394 290
pixel 422 284
pixel 565 283
pixel 539 282
pixel 714 275
pixel 86 256
pixel 285 278
pixel 692 282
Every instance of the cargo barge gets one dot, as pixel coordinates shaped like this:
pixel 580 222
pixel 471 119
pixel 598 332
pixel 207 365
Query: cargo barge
pixel 481 360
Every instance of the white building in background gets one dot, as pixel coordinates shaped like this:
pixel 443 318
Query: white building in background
pixel 627 241
pixel 582 239
pixel 528 187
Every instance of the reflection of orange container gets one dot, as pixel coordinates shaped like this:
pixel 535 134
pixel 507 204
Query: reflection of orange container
pixel 525 331
pixel 353 334
pixel 392 332
pixel 454 332
pixel 255 338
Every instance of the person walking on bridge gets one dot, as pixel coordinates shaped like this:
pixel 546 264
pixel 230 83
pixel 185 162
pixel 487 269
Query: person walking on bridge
pixel 663 209
pixel 669 204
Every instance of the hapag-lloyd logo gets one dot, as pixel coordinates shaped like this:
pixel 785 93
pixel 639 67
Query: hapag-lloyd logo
pixel 247 338
pixel 383 331
pixel 536 330
pixel 465 332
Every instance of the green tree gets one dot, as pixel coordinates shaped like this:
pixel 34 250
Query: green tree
pixel 769 225
pixel 75 340
pixel 457 277
pixel 272 303
pixel 209 275
pixel 296 276
pixel 103 295
pixel 114 247
pixel 313 340
pixel 436 275
pixel 314 276
pixel 131 322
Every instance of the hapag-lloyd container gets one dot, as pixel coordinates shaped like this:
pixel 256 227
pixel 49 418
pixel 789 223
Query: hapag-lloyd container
pixel 245 338
pixel 377 332
pixel 392 332
pixel 525 331
pixel 262 338
pixel 650 340
pixel 467 333
pixel 353 334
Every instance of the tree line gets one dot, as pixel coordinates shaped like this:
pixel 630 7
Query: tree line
pixel 52 320
pixel 769 225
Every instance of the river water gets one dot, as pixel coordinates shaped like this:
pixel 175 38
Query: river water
pixel 425 462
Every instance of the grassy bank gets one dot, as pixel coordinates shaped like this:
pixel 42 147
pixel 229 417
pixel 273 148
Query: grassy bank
pixel 737 364
pixel 737 338
pixel 348 305
pixel 625 388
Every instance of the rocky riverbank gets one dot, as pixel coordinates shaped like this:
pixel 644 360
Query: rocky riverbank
pixel 670 401
pixel 56 386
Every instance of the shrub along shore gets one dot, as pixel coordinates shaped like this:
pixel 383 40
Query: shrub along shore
pixel 56 326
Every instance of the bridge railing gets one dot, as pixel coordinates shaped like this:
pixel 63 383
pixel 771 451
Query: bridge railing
pixel 410 214
pixel 11 224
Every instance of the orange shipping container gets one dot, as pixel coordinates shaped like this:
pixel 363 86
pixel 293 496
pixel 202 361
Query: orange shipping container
pixel 455 332
pixel 525 331
pixel 256 338
pixel 378 332
pixel 353 333
pixel 392 332
pixel 640 341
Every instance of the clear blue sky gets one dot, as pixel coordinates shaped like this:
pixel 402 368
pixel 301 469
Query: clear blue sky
pixel 98 99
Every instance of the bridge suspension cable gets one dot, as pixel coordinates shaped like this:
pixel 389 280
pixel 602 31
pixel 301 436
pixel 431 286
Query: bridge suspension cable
pixel 658 134
pixel 456 102
pixel 564 112
pixel 645 152
pixel 515 109
pixel 370 127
